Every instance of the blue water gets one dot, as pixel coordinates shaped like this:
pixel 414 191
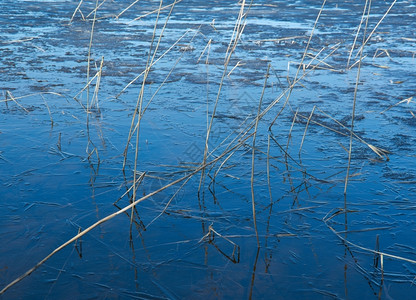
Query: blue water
pixel 61 168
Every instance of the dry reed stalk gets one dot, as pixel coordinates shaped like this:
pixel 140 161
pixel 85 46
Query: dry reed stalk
pixel 244 131
pixel 238 31
pixel 235 255
pixel 168 203
pixel 375 27
pixel 291 129
pixel 279 39
pixel 231 154
pixel 289 89
pixel 328 66
pixel 358 61
pixel 314 56
pixel 89 54
pixel 139 104
pixel 380 51
pixel 309 41
pixel 328 217
pixel 83 89
pixel 139 180
pixel 138 110
pixel 357 81
pixel 253 203
pixel 49 111
pixel 15 101
pixel 160 57
pixel 94 150
pixel 75 11
pixel 95 9
pixel 208 46
pixel 306 129
pixel 408 100
pixel 327 127
pixel 161 85
pixel 356 35
pixel 268 169
pixel 235 37
pixel 157 10
pixel 94 100
pixel 305 66
pixel 236 65
pixel 287 154
pixel 253 274
pixel 382 153
pixel 111 216
pixel 127 8
pixel 296 79
pixel 33 94
pixel 164 81
pixel 5 100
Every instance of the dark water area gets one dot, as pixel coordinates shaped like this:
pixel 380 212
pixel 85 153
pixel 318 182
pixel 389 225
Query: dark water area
pixel 62 149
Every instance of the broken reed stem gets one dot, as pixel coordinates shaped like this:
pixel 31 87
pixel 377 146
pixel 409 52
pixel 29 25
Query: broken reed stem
pixel 253 203
pixel 382 153
pixel 357 81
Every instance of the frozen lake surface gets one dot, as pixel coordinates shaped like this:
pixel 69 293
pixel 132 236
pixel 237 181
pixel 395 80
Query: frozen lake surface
pixel 258 110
